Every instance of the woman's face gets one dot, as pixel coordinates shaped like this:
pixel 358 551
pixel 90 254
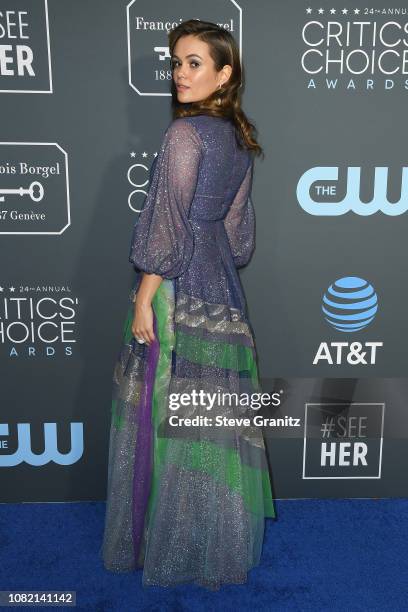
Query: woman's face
pixel 194 68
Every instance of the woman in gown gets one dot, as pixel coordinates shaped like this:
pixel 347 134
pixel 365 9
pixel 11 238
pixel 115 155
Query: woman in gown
pixel 188 504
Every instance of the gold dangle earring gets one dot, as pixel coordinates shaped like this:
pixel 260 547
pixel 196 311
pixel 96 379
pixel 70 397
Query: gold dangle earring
pixel 218 101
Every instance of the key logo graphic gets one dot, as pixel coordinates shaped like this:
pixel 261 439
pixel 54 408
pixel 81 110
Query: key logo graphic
pixel 35 191
pixel 34 188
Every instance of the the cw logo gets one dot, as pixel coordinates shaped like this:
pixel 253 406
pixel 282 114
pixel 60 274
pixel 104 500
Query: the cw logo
pixel 51 452
pixel 351 201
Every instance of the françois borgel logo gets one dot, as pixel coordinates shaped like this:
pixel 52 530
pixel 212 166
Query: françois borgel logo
pixel 349 305
pixel 34 188
pixel 318 196
pixel 25 58
pixel 343 440
pixel 37 321
pixel 148 52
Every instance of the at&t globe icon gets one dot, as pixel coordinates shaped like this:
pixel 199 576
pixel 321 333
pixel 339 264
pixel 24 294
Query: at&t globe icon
pixel 350 304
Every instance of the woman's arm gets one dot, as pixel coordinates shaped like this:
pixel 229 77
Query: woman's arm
pixel 163 241
pixel 142 326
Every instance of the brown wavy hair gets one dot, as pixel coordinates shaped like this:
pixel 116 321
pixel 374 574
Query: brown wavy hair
pixel 224 50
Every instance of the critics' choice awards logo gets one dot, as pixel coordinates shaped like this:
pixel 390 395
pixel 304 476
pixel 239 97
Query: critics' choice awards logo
pixel 37 321
pixel 349 305
pixel 148 52
pixel 341 49
pixel 139 176
pixel 25 58
pixel 34 188
pixel 16 442
pixel 343 440
pixel 317 197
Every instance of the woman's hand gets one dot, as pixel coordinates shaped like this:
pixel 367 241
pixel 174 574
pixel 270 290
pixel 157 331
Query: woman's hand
pixel 142 325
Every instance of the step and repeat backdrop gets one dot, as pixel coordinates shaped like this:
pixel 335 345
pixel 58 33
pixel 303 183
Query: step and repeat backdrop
pixel 84 102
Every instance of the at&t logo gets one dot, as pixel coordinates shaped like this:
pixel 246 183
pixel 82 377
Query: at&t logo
pixel 349 305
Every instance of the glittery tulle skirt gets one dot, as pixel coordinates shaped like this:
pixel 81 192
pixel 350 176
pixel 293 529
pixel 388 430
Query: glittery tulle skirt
pixel 187 503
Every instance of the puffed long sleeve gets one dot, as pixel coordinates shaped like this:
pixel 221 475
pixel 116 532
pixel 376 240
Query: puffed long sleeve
pixel 162 240
pixel 240 222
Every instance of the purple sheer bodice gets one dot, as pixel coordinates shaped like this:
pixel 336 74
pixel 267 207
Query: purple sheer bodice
pixel 198 222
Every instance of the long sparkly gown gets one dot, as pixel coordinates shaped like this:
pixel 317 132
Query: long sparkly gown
pixel 188 504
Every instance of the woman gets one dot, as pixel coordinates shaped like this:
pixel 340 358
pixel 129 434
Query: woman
pixel 187 502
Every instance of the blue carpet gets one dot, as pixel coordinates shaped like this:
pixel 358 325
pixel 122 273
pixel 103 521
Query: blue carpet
pixel 343 555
